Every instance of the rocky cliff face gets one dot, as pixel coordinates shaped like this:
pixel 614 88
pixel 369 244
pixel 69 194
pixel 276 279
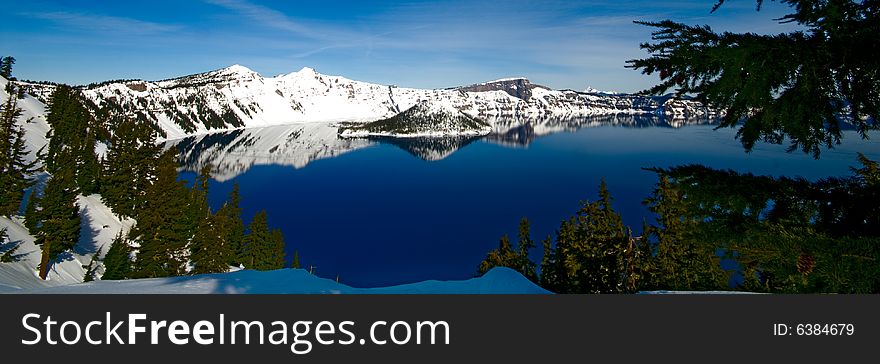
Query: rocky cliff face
pixel 518 87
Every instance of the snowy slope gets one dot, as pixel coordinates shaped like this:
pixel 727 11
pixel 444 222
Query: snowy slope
pixel 33 118
pixel 286 281
pixel 99 227
pixel 237 97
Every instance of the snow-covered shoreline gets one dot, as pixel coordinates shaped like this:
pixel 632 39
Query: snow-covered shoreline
pixel 294 281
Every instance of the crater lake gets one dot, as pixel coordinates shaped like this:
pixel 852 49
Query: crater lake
pixel 385 211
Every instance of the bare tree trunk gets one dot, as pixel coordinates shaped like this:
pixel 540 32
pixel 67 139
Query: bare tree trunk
pixel 44 261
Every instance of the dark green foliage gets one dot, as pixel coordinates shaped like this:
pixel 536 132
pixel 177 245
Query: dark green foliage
pixel 800 86
pixel 209 250
pixel 640 256
pixel 594 252
pixel 71 150
pixel 788 235
pixel 505 256
pixel 6 67
pixel 31 213
pixel 69 121
pixel 91 267
pixel 591 249
pixel 262 249
pixel 550 277
pixel 276 256
pixel 7 248
pixel 89 171
pixel 117 261
pixel 15 170
pixel 59 226
pixel 679 260
pixel 869 174
pixel 231 225
pixel 74 132
pixel 295 263
pixel 163 227
pixel 129 168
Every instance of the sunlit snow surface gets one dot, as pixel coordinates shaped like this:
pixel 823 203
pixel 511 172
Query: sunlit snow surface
pixel 180 107
pixel 496 281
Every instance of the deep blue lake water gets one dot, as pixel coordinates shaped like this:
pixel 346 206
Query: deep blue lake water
pixel 378 215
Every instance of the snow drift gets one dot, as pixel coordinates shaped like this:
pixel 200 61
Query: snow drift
pixel 286 281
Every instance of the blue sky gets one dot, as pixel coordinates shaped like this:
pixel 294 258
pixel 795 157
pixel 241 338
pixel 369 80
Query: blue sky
pixel 561 44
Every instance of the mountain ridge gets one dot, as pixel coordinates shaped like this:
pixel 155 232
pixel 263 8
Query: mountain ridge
pixel 236 97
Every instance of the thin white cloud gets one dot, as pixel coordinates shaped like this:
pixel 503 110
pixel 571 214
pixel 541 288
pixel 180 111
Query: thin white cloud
pixel 271 18
pixel 103 23
pixel 324 37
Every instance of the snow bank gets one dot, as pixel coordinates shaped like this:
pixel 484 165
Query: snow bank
pixel 296 281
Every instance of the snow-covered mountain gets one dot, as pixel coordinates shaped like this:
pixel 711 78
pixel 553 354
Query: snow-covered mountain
pixel 237 97
pixel 424 119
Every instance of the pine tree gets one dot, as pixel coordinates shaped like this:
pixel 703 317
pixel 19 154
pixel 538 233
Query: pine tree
pixel 59 218
pixel 253 246
pixel 787 235
pixel 801 86
pixel 117 260
pixel 31 213
pixel 262 249
pixel 641 268
pixel 9 248
pixel 525 265
pixel 91 268
pixel 506 256
pixel 198 208
pixel 129 167
pixel 681 261
pixel 209 249
pixel 503 256
pixel 6 67
pixel 276 250
pixel 89 171
pixel 295 263
pixel 73 132
pixel 163 228
pixel 590 253
pixel 550 267
pixel 15 170
pixel 232 226
pixel 69 121
pixel 869 174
